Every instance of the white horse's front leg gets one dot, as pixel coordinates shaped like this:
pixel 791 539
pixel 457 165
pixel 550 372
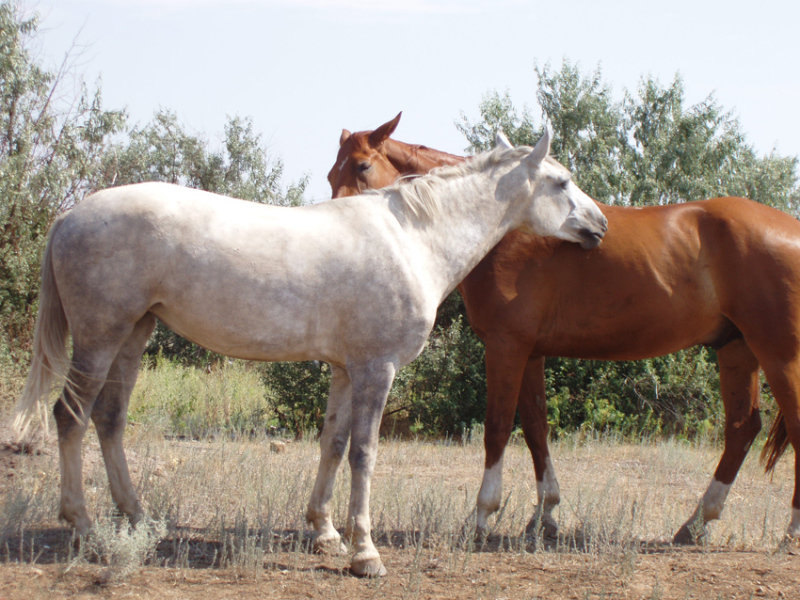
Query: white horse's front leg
pixel 335 434
pixel 370 389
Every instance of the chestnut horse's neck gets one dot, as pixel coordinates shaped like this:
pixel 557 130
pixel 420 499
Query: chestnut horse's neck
pixel 412 159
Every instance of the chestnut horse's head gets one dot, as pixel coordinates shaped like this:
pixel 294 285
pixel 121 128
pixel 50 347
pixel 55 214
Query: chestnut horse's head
pixel 362 163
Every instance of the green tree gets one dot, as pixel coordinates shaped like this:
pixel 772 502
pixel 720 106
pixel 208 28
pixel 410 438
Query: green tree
pixel 50 154
pixel 443 392
pixel 649 148
pixel 163 150
pixel 590 139
pixel 679 153
pixel 587 123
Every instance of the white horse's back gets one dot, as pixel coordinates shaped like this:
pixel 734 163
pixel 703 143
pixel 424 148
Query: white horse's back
pixel 271 283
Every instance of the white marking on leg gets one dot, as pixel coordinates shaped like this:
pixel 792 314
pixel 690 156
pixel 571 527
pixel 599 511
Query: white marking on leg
pixel 547 489
pixel 714 500
pixel 490 494
pixel 709 508
pixel 549 496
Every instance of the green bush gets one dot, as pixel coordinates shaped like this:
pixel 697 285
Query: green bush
pixel 191 402
pixel 443 392
pixel 298 393
pixel 677 394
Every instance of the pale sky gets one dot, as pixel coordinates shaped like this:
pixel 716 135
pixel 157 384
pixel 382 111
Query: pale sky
pixel 305 69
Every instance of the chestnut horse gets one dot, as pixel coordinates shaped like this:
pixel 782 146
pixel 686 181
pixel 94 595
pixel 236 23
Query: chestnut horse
pixel 724 273
pixel 354 282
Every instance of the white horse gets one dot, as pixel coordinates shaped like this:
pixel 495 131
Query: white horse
pixel 354 282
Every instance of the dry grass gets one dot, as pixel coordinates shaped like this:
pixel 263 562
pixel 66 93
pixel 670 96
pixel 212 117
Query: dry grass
pixel 236 508
pixel 227 515
pixel 615 496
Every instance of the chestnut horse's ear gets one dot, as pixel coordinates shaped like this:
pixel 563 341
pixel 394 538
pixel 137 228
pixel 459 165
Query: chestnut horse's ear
pixel 344 137
pixel 542 148
pixel 382 133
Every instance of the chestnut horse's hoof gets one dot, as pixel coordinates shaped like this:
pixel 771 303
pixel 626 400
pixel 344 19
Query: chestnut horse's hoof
pixel 367 564
pixel 690 535
pixel 542 526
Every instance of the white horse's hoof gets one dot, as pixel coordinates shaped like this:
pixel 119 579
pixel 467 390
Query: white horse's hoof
pixel 80 523
pixel 367 564
pixel 332 546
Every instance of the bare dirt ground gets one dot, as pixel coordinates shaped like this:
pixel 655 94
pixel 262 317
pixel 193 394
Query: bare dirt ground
pixel 667 574
pixel 649 569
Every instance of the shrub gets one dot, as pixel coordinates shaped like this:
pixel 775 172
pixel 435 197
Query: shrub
pixel 191 402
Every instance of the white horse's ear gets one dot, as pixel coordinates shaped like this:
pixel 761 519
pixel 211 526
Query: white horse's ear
pixel 542 148
pixel 501 141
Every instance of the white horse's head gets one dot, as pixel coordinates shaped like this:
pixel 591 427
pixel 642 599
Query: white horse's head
pixel 559 208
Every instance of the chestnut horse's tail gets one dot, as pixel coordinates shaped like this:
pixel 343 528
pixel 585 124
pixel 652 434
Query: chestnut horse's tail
pixel 49 360
pixel 776 444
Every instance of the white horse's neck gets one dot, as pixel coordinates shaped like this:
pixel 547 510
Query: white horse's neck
pixel 464 220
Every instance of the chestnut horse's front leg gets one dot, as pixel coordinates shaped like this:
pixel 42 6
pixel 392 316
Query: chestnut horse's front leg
pixel 505 364
pixel 532 409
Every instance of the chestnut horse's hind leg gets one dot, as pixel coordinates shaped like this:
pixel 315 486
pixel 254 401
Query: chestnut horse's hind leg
pixel 739 386
pixel 333 442
pixel 505 364
pixel 532 409
pixel 86 377
pixel 784 381
pixel 110 416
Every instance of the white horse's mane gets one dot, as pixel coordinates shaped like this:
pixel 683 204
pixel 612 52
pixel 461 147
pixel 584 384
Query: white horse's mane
pixel 419 196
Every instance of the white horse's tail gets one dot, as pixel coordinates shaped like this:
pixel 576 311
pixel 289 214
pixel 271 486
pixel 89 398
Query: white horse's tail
pixel 50 359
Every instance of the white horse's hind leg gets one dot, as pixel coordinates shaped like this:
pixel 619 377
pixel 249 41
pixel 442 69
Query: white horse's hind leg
pixel 110 416
pixel 371 386
pixel 794 524
pixel 333 442
pixel 86 377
